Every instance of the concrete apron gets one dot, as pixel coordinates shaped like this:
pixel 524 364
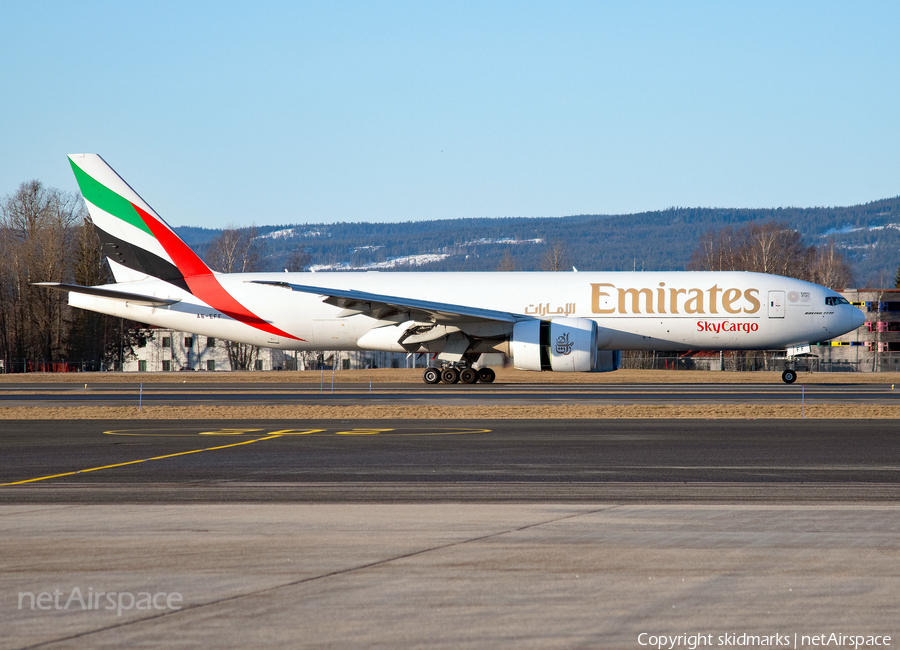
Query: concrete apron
pixel 443 575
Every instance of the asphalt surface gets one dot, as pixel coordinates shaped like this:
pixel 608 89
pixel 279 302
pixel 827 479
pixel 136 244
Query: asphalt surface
pixel 530 461
pixel 172 394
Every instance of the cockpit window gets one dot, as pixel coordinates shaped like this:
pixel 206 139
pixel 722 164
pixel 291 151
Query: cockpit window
pixel 836 300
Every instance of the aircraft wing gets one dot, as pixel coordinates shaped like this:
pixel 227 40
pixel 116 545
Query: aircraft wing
pixel 113 294
pixel 383 307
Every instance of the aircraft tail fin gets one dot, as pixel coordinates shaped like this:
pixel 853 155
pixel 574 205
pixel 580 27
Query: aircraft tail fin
pixel 134 238
pixel 139 243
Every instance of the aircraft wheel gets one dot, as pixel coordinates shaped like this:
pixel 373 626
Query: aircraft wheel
pixel 468 376
pixel 789 376
pixel 486 375
pixel 449 375
pixel 431 375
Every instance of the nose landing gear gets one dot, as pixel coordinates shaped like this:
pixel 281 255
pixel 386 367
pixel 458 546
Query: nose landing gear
pixel 789 376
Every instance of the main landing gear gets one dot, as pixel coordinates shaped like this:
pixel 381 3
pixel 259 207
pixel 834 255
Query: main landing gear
pixel 452 375
pixel 789 376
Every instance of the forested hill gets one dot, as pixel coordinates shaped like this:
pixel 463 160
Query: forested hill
pixel 868 235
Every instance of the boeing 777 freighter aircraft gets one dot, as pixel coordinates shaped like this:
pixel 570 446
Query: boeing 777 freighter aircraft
pixel 561 322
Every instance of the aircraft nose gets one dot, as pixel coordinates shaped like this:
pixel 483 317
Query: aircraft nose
pixel 857 318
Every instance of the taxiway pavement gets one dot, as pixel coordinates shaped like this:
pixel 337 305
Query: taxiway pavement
pixel 171 461
pixel 184 394
pixel 468 534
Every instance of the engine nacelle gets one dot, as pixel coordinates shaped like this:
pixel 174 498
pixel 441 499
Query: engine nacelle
pixel 561 344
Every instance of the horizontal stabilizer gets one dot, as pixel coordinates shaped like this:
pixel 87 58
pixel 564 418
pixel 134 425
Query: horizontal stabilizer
pixel 112 294
pixel 380 306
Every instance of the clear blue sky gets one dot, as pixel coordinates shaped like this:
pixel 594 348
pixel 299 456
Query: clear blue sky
pixel 280 112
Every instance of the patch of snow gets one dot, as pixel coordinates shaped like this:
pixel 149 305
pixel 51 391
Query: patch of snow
pixel 393 263
pixel 848 229
pixel 291 232
pixel 277 234
pixel 501 240
pixel 843 230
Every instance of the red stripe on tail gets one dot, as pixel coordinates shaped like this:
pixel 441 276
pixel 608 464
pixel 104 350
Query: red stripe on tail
pixel 202 282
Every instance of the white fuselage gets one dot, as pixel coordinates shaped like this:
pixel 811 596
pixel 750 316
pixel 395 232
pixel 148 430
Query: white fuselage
pixel 634 311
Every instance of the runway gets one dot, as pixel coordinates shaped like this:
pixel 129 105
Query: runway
pixel 178 394
pixel 527 461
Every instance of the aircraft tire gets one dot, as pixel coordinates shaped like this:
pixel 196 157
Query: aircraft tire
pixel 468 376
pixel 789 376
pixel 449 375
pixel 431 375
pixel 486 376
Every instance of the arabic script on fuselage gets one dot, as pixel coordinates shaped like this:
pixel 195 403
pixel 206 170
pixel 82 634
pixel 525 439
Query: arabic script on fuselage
pixel 546 310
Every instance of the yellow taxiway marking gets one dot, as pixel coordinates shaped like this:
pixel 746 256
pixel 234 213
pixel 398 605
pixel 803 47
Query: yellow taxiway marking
pixel 224 432
pixel 424 431
pixel 142 460
pixel 220 432
pixel 239 432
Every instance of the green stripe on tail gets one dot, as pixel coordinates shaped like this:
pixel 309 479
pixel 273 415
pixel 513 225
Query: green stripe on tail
pixel 107 200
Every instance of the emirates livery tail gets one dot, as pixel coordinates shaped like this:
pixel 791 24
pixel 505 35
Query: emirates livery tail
pixel 139 244
pixel 134 238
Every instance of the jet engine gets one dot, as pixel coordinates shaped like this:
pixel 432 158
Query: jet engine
pixel 561 344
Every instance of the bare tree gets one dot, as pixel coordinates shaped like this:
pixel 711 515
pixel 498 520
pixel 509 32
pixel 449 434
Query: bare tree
pixel 716 251
pixel 830 269
pixel 556 257
pixel 776 248
pixel 98 340
pixel 299 260
pixel 37 241
pixel 507 263
pixel 241 356
pixel 766 248
pixel 87 341
pixel 236 251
